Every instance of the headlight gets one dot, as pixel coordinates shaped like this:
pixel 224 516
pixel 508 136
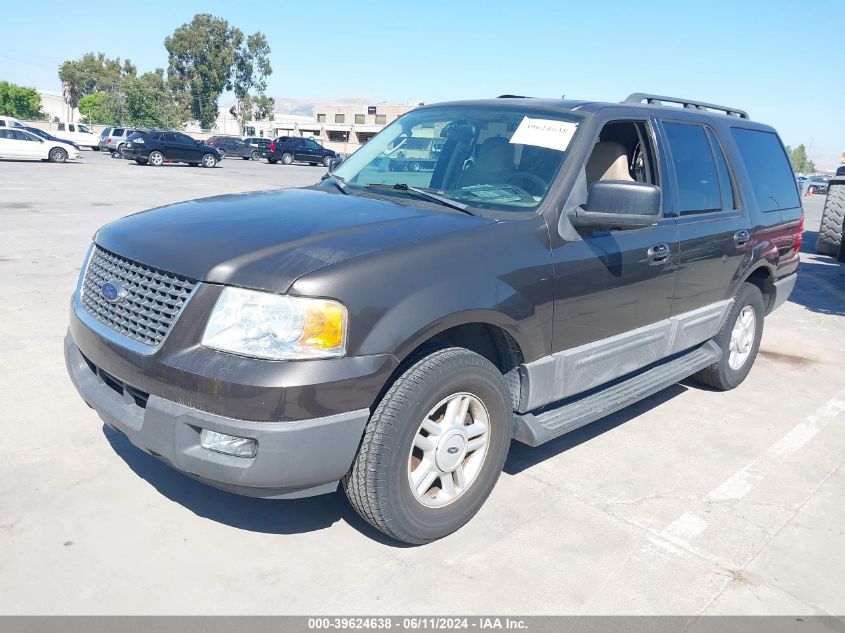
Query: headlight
pixel 276 327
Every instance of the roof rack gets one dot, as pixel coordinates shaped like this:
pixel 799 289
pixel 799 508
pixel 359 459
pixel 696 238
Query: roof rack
pixel 512 97
pixel 639 97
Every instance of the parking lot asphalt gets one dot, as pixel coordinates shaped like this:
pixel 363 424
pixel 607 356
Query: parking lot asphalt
pixel 691 502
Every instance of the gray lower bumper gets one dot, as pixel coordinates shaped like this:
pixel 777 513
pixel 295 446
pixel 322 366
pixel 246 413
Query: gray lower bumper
pixel 294 459
pixel 783 288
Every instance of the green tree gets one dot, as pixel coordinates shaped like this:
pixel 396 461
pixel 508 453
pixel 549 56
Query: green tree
pixel 100 108
pixel 800 161
pixel 249 82
pixel 202 55
pixel 19 101
pixel 149 102
pixel 93 72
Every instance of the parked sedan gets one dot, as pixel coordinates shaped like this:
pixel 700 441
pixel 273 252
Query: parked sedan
pixel 49 137
pixel 20 144
pixel 234 146
pixel 158 147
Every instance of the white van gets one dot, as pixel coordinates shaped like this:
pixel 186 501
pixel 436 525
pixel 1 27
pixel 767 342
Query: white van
pixel 80 133
pixel 10 121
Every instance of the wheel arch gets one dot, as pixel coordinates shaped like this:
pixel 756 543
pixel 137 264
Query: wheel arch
pixel 761 275
pixel 482 332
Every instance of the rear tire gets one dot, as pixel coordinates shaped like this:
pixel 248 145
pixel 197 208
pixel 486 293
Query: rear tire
pixel 739 345
pixel 155 159
pixel 327 161
pixel 256 155
pixel 57 155
pixel 96 148
pixel 398 443
pixel 287 158
pixel 208 160
pixel 833 216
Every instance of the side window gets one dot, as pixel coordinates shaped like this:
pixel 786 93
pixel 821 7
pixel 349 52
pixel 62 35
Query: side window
pixel 118 131
pixel 2 123
pixel 71 127
pixel 725 180
pixel 695 168
pixel 7 134
pixel 623 152
pixel 771 176
pixel 23 136
pixel 61 127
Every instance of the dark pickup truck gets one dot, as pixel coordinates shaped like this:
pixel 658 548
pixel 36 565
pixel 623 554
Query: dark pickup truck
pixel 393 332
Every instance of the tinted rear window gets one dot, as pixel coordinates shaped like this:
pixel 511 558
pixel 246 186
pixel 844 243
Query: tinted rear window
pixel 771 175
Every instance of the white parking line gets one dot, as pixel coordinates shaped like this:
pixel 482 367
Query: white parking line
pixel 740 483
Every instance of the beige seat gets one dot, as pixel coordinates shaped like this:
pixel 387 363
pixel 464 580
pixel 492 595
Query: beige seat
pixel 609 161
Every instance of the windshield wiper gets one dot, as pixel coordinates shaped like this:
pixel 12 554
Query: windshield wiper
pixel 338 182
pixel 422 193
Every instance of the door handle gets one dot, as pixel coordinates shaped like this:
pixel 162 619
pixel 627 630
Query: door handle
pixel 741 238
pixel 658 253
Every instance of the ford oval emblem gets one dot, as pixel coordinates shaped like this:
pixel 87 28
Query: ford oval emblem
pixel 112 292
pixel 452 450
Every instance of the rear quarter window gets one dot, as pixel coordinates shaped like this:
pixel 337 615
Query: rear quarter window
pixel 772 180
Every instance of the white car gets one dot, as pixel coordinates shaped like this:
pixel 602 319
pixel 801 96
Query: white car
pixel 16 143
pixel 79 133
pixel 10 121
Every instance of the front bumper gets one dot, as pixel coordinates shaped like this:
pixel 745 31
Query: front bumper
pixel 294 459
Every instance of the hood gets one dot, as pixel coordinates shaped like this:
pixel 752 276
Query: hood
pixel 267 240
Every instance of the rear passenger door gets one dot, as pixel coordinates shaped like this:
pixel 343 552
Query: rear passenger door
pixel 713 228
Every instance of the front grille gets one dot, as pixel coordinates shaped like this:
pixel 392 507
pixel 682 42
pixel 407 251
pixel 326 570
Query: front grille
pixel 153 297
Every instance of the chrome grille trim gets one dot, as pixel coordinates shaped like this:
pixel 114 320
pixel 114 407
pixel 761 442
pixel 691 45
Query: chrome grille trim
pixel 154 298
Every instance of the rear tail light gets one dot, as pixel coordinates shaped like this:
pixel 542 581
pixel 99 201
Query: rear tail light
pixel 272 147
pixel 800 235
pixel 108 140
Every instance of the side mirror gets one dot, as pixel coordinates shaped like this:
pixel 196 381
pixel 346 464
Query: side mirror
pixel 620 204
pixel 335 162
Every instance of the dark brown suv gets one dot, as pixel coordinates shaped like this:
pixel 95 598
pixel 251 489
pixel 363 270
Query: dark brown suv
pixel 393 331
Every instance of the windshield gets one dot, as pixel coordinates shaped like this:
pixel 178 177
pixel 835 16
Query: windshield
pixel 496 158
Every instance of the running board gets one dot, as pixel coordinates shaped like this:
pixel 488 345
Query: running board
pixel 536 428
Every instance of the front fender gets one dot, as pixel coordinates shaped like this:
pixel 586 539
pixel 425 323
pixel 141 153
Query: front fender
pixel 497 274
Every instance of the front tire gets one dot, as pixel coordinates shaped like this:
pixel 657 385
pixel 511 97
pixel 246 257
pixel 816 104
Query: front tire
pixel 739 340
pixel 256 155
pixel 155 159
pixel 833 217
pixel 434 447
pixel 57 155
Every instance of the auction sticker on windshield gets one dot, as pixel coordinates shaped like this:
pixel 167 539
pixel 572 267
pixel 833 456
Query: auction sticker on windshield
pixel 544 133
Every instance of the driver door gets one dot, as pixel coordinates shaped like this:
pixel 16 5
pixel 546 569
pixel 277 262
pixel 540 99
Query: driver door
pixel 611 282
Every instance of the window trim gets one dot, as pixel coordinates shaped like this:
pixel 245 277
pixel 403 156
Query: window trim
pixel 714 136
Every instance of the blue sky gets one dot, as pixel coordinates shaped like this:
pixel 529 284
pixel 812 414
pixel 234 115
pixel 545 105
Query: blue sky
pixel 775 59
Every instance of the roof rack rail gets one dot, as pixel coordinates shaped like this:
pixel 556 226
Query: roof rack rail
pixel 512 97
pixel 639 97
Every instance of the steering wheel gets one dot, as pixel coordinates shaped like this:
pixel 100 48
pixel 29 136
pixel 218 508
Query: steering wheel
pixel 528 176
